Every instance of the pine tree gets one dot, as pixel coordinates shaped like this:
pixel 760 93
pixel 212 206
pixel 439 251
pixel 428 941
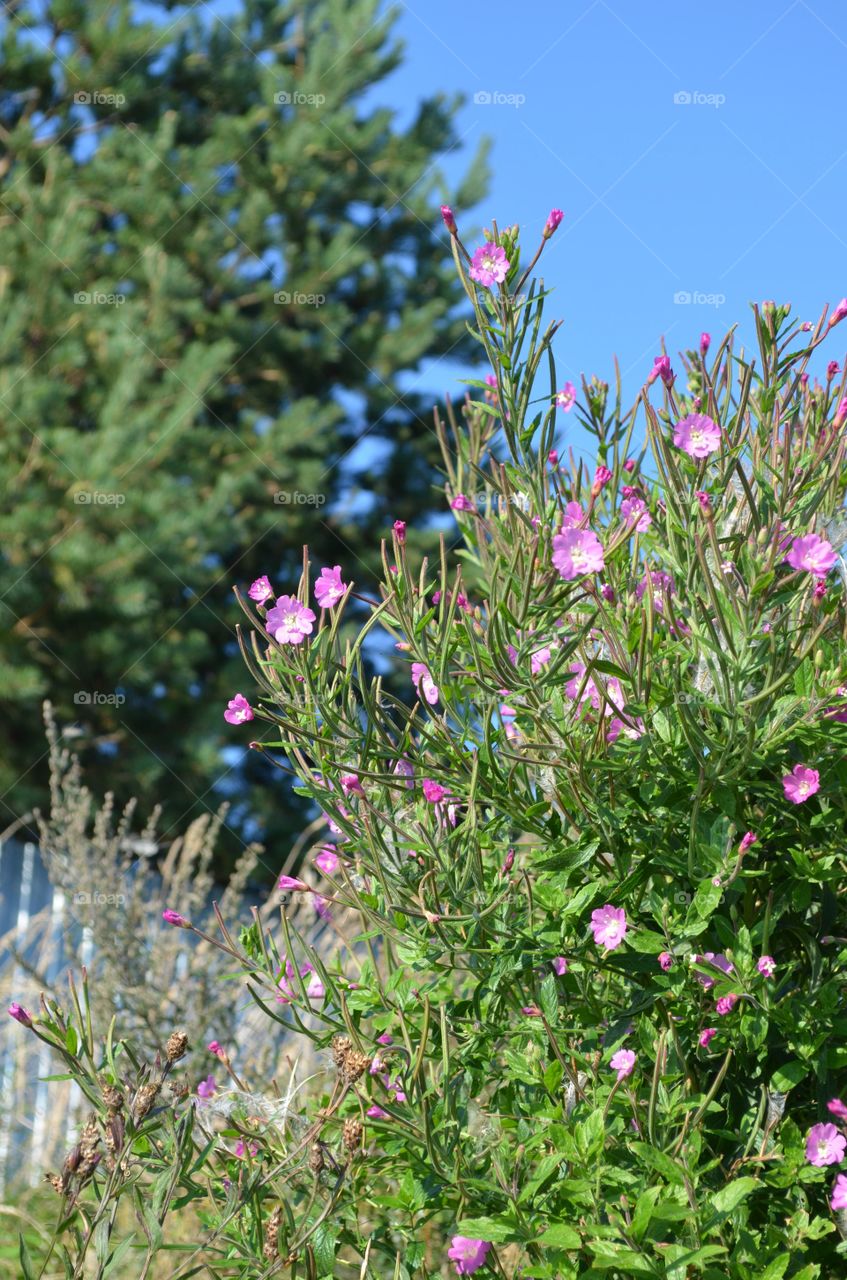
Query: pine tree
pixel 218 261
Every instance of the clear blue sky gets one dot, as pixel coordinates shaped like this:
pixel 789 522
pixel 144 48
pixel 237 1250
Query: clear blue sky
pixel 741 197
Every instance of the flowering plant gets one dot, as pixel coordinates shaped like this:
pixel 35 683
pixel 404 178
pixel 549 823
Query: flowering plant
pixel 592 1024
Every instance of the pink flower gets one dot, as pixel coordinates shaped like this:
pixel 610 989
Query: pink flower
pixel 327 860
pixel 385 1038
pixel 839 313
pixel 292 884
pixel 812 553
pixel 573 516
pixel 609 926
pixel 726 1004
pixel 766 966
pixel 698 435
pixel 539 660
pixel 801 783
pixel 661 369
pixel 240 1149
pixel 329 588
pixel 577 552
pixel 173 917
pixel 554 219
pixel 662 585
pixel 400 531
pixel 560 966
pixel 351 785
pixel 422 678
pixel 433 791
pixel 449 220
pixel 706 1035
pixel 607 592
pixel 634 511
pixel 217 1049
pixel 207 1088
pixel 289 621
pixel 461 503
pixel 704 500
pixel 238 710
pixel 665 960
pixel 531 1011
pixel 377 1113
pixel 602 476
pixel 291 991
pixel 403 769
pixel 489 265
pixel 839 1193
pixel 623 1062
pixel 840 413
pixel 261 590
pixel 20 1014
pixel 629 465
pixel 705 343
pixel 566 397
pixel 836 1107
pixel 825 1145
pixel 747 840
pixel 831 370
pixel 718 961
pixel 468 1255
pixel 553 458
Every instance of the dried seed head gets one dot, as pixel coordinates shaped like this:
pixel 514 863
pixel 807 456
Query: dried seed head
pixel 271 1245
pixel 55 1182
pixel 352 1134
pixel 356 1066
pixel 89 1141
pixel 176 1046
pixel 179 1088
pixel 341 1046
pixel 144 1100
pixel 316 1158
pixel 112 1097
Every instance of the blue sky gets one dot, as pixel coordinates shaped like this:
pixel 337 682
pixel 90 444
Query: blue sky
pixel 735 194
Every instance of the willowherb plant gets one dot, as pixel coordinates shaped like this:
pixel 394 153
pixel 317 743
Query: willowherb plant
pixel 592 1023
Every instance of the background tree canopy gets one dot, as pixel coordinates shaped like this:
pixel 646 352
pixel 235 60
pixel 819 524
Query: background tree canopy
pixel 219 261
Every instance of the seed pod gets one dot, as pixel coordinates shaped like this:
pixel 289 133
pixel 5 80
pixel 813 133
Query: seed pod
pixel 270 1249
pixel 352 1134
pixel 144 1100
pixel 112 1097
pixel 316 1158
pixel 176 1046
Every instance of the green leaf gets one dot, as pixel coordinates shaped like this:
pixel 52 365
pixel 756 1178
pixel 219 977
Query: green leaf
pixel 560 1237
pixel 27 1265
pixel 113 1265
pixel 789 1075
pixel 730 1196
pixel 324 1242
pixel 493 1229
pixel 646 941
pixel 549 998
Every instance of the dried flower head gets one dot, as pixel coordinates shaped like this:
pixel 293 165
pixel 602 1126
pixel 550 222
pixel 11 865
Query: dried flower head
pixel 144 1099
pixel 352 1134
pixel 270 1249
pixel 176 1046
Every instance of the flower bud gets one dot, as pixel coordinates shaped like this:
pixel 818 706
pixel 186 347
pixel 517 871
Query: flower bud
pixel 449 220
pixel 554 219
